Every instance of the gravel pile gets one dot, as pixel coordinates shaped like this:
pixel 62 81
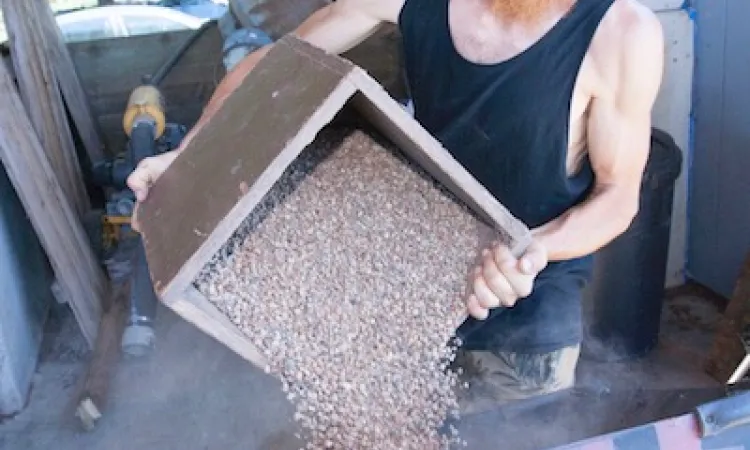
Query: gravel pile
pixel 349 278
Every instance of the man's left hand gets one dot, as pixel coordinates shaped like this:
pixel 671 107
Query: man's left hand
pixel 502 279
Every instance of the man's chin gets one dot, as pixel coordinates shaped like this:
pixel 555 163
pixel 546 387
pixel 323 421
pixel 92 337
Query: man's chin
pixel 528 11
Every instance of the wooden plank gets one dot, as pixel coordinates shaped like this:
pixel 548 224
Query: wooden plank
pixel 186 90
pixel 185 106
pixel 249 142
pixel 381 56
pixel 185 223
pixel 127 55
pixel 51 213
pixel 401 129
pixel 41 96
pixel 196 309
pixel 727 351
pixel 177 95
pixel 70 84
pixel 92 399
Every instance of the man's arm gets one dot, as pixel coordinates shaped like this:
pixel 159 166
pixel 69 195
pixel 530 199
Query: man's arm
pixel 619 132
pixel 335 28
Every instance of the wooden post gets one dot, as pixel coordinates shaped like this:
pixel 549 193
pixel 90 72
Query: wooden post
pixel 41 95
pixel 50 210
pixel 67 77
pixel 728 350
pixel 92 399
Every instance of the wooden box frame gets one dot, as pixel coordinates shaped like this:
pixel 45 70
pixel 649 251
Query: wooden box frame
pixel 245 147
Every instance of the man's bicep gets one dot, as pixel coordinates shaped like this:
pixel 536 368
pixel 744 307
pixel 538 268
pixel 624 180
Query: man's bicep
pixel 619 126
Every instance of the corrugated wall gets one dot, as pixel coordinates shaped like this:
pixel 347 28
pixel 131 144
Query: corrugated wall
pixel 719 215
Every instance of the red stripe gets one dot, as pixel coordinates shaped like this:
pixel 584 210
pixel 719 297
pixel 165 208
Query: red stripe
pixel 680 433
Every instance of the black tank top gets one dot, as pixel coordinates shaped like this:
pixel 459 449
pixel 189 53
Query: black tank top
pixel 508 125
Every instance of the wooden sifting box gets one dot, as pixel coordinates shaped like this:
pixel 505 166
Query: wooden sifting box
pixel 236 158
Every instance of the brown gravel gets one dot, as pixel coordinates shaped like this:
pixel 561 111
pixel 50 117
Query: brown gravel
pixel 349 278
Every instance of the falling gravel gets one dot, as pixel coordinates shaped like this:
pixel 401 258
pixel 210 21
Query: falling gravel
pixel 349 278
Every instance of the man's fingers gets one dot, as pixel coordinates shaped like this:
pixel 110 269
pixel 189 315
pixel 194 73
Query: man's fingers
pixel 503 257
pixel 139 182
pixel 509 266
pixel 496 281
pixel 476 310
pixel 485 296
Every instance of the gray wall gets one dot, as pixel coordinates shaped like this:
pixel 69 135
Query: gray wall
pixel 25 297
pixel 719 211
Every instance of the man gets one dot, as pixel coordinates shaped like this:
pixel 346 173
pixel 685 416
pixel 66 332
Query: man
pixel 547 103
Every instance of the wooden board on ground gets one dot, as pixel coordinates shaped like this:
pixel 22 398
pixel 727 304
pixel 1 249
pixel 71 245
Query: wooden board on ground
pixel 51 212
pixel 41 95
pixel 93 396
pixel 249 143
pixel 728 351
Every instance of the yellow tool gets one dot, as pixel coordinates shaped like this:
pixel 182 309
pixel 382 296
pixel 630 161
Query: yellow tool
pixel 145 102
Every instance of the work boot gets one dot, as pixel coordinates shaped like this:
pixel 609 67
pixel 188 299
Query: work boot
pixel 495 379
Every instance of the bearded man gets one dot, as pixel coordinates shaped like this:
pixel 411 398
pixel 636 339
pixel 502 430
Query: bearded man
pixel 547 103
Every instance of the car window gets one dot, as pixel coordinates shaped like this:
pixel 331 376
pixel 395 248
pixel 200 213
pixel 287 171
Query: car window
pixel 88 29
pixel 142 24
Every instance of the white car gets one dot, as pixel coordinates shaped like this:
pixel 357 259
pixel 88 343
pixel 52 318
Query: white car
pixel 123 20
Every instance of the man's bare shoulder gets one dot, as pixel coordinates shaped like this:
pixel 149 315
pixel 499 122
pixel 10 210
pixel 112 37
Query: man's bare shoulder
pixel 629 45
pixel 637 23
pixel 629 25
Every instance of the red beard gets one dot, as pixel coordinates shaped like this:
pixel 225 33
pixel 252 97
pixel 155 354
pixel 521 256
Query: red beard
pixel 528 11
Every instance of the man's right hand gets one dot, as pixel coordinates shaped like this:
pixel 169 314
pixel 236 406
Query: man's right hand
pixel 148 171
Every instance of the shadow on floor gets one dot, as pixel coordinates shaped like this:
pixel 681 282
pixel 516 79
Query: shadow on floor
pixel 193 393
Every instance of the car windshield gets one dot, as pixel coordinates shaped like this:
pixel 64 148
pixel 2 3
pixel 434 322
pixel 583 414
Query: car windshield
pixel 88 29
pixel 146 24
pixel 83 21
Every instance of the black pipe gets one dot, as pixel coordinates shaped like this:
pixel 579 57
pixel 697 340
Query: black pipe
pixel 167 67
pixel 142 142
pixel 143 299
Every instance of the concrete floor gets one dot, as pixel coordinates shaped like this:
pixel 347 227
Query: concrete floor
pixel 193 393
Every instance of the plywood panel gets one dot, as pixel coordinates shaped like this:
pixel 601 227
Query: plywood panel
pixel 672 114
pixel 282 110
pixel 111 68
pixel 719 213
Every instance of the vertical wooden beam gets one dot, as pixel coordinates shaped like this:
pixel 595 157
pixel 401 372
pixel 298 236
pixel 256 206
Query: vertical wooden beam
pixel 67 77
pixel 728 351
pixel 41 95
pixel 51 213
